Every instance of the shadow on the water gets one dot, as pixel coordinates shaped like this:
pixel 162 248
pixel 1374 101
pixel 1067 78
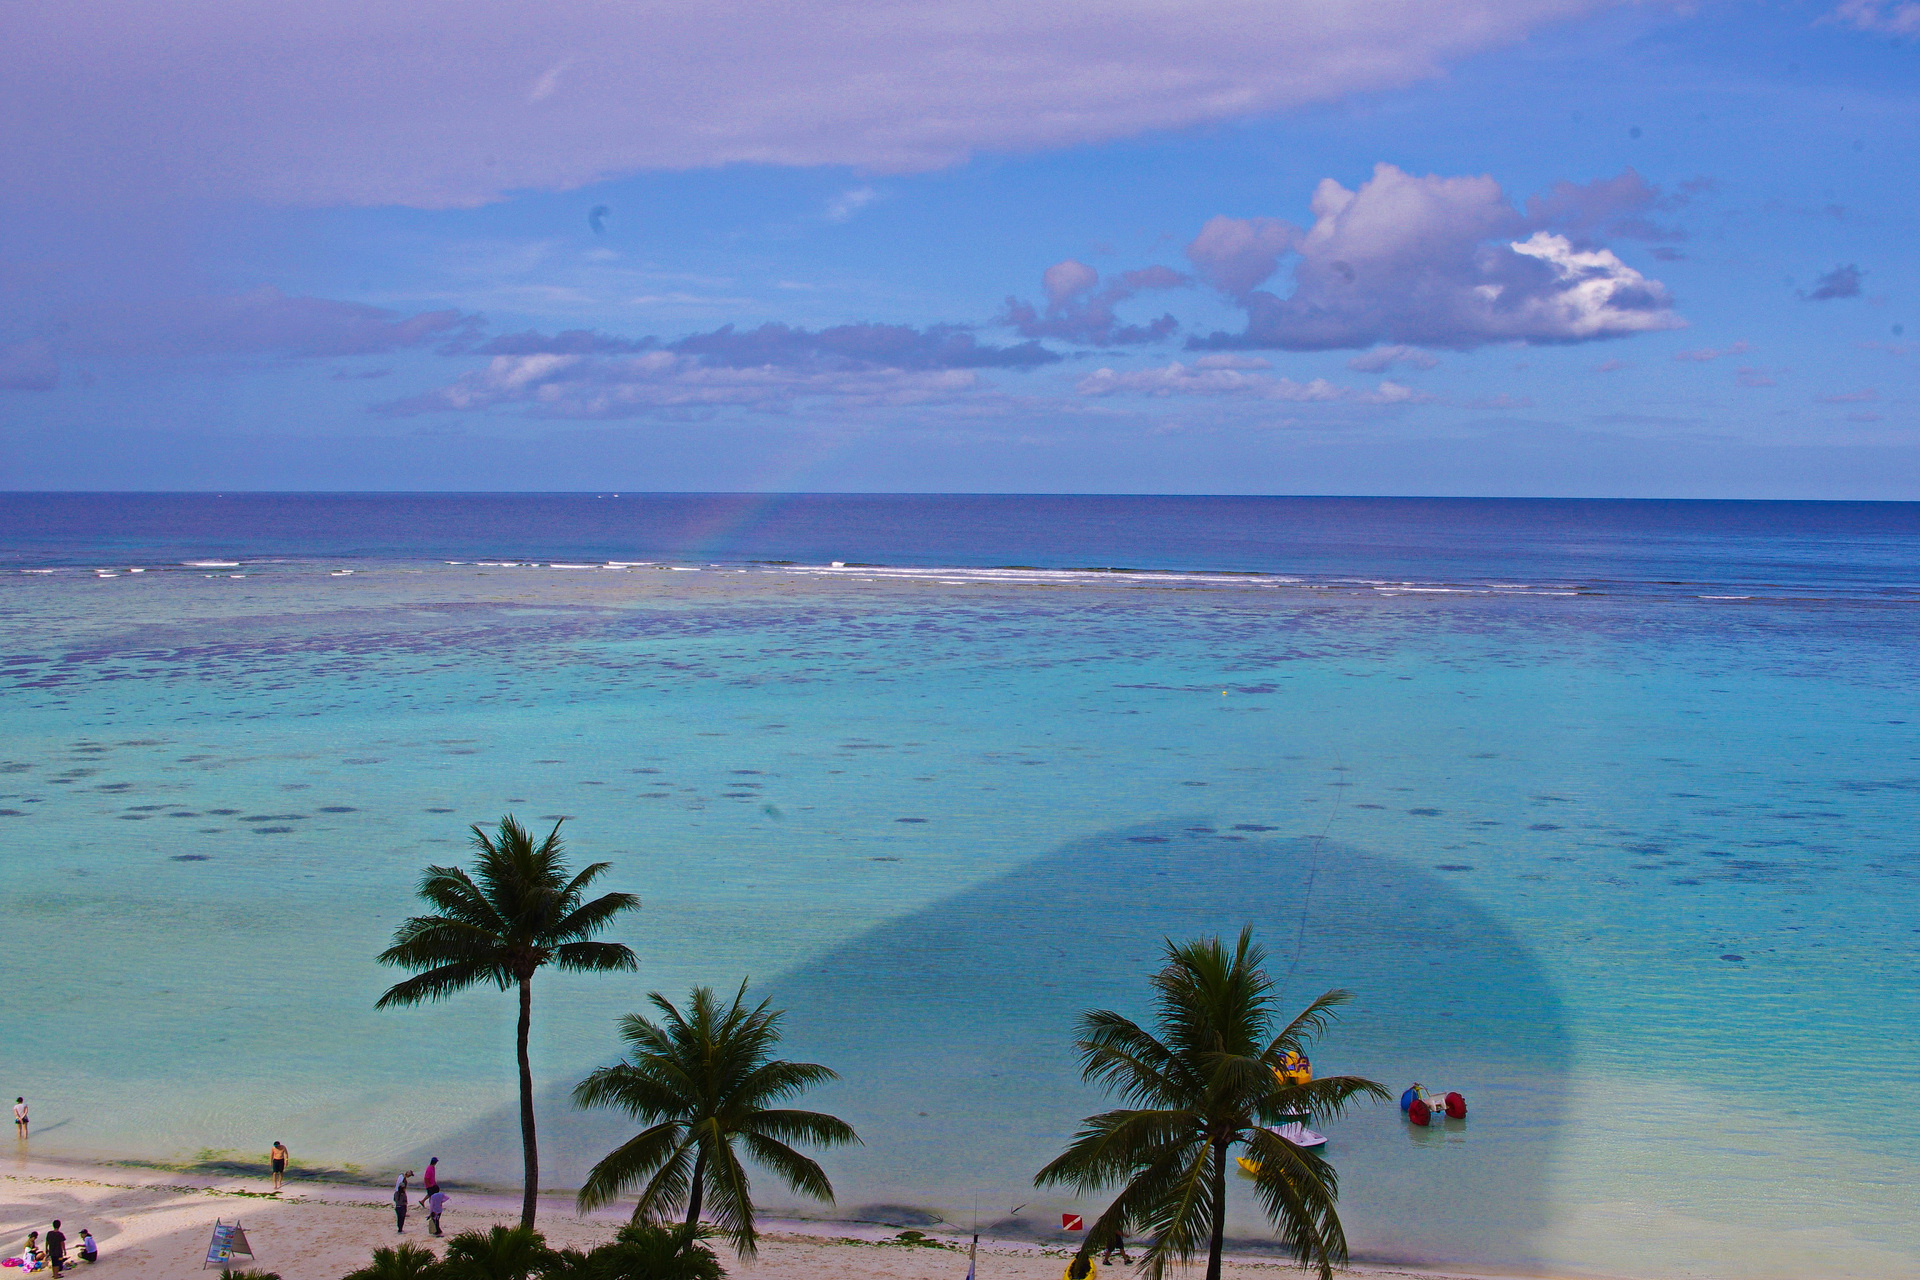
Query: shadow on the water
pixel 952 1030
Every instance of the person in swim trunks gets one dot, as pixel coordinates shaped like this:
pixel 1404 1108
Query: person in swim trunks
pixel 278 1159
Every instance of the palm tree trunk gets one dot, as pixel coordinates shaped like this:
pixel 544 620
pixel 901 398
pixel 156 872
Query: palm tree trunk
pixel 529 1145
pixel 699 1185
pixel 1219 1210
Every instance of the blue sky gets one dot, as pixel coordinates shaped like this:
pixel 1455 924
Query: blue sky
pixel 1618 251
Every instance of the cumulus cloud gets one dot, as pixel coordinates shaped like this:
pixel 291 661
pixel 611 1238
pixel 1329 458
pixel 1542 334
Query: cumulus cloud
pixel 1881 17
pixel 1237 376
pixel 1841 282
pixel 594 387
pixel 1616 206
pixel 439 104
pixel 1237 255
pixel 1080 310
pixel 1445 262
pixel 28 366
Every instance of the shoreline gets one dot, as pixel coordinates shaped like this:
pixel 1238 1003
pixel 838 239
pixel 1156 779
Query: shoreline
pixel 154 1222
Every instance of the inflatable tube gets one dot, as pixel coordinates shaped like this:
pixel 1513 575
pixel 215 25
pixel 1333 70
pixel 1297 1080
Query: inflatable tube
pixel 1410 1097
pixel 1420 1113
pixel 1093 1271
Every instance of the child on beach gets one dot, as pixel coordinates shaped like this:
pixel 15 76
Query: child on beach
pixel 436 1203
pixel 400 1203
pixel 89 1251
pixel 57 1248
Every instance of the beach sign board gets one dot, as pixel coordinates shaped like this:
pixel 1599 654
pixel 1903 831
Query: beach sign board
pixel 228 1241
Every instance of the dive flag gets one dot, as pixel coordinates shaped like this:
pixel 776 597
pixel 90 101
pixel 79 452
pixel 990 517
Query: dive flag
pixel 1070 1222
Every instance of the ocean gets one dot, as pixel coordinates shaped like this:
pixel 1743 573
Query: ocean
pixel 1604 812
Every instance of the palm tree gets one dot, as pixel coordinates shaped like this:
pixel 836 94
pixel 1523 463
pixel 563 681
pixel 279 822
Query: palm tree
pixel 700 1082
pixel 1204 1081
pixel 499 1253
pixel 517 912
pixel 406 1261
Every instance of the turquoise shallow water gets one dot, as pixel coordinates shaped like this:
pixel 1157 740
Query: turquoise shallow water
pixel 936 814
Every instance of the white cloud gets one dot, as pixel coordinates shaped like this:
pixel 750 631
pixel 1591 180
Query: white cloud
pixel 369 102
pixel 1431 262
pixel 1227 375
pixel 563 386
pixel 1380 359
pixel 847 203
pixel 1881 17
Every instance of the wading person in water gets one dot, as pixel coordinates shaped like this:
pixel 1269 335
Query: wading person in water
pixel 20 1116
pixel 278 1158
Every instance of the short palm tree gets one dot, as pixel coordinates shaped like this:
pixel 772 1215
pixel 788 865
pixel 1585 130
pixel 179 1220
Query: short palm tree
pixel 1203 1082
pixel 701 1082
pixel 517 912
pixel 498 1253
pixel 406 1261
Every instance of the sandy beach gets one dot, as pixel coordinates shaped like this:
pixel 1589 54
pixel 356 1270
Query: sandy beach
pixel 155 1224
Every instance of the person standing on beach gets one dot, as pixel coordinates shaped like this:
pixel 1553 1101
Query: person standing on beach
pixel 430 1180
pixel 400 1203
pixel 436 1203
pixel 57 1248
pixel 278 1159
pixel 20 1116
pixel 1119 1242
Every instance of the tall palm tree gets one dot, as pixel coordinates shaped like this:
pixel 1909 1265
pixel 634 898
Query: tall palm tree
pixel 1206 1080
pixel 516 913
pixel 700 1082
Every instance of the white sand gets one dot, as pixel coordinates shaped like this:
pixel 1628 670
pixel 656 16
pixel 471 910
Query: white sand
pixel 155 1225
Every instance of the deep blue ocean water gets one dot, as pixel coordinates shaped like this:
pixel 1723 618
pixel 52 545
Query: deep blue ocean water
pixel 1603 810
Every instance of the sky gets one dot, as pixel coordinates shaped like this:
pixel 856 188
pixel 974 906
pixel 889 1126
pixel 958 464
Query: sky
pixel 1486 247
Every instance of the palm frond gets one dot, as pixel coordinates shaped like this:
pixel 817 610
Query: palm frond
pixel 637 1159
pixel 595 957
pixel 437 984
pixel 589 918
pixel 1327 1098
pixel 1310 1023
pixel 730 1192
pixel 800 1126
pixel 1298 1189
pixel 1114 1143
pixel 797 1171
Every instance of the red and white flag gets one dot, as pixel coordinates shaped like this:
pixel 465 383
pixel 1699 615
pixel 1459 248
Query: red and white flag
pixel 1071 1222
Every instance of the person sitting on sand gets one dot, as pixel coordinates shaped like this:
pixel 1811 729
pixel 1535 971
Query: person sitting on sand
pixel 89 1251
pixel 30 1256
